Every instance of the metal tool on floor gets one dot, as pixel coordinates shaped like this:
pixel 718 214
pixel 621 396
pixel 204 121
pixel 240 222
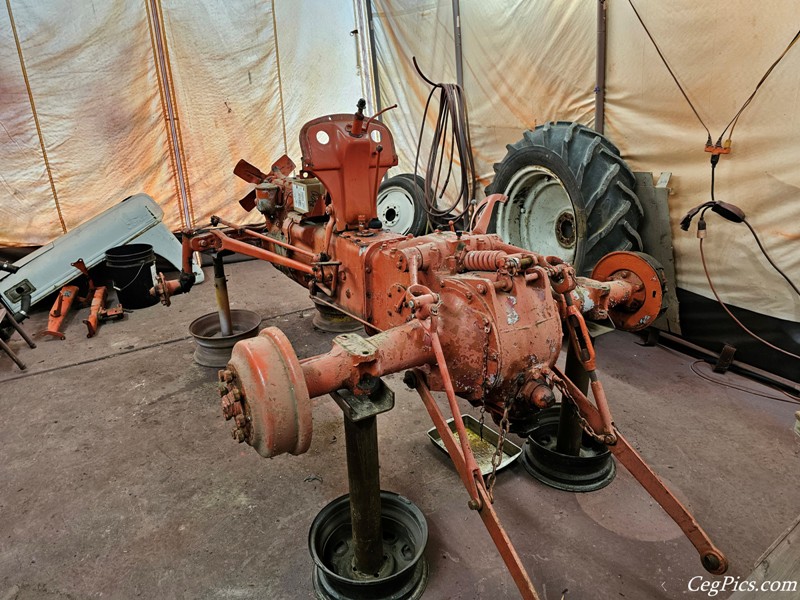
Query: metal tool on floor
pixel 6 318
pixel 99 313
pixel 64 301
pixel 96 298
pixel 462 312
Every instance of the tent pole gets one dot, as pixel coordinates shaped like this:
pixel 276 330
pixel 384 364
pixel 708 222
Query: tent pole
pixel 600 61
pixel 457 36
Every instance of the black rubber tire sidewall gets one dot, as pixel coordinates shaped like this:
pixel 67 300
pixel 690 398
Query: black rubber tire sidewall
pixel 540 156
pixel 563 148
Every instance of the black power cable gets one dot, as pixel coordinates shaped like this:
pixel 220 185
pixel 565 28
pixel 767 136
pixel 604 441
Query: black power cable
pixel 452 125
pixel 727 211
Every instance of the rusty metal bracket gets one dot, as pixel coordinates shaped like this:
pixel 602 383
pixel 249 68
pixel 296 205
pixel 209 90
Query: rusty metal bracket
pixel 712 558
pixel 483 504
pixel 376 398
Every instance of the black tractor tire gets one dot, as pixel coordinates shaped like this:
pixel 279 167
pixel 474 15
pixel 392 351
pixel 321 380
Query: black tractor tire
pixel 401 205
pixel 600 215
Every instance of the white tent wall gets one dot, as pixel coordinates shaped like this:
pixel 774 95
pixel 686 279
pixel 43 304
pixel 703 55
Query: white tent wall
pixel 529 62
pixel 719 53
pixel 421 28
pixel 99 99
pixel 92 78
pixel 26 201
pixel 515 86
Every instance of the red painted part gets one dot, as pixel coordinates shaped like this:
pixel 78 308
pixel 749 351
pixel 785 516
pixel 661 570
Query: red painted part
pixel 476 488
pixel 277 407
pixel 66 297
pixel 350 165
pixel 632 461
pixel 477 317
pixel 98 304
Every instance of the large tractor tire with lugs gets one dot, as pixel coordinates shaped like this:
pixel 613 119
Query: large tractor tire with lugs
pixel 569 195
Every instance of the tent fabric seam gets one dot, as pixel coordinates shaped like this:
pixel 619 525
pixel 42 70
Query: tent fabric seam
pixel 280 80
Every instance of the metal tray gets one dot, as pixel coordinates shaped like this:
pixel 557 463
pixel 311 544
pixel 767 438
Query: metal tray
pixel 483 449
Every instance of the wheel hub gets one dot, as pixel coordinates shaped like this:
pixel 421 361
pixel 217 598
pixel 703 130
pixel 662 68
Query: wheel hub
pixel 565 229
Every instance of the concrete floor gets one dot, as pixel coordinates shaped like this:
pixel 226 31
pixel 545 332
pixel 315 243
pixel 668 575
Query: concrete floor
pixel 120 479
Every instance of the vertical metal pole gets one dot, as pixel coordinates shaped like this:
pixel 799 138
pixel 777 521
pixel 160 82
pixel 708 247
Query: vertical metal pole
pixel 361 438
pixel 169 102
pixel 365 53
pixel 570 432
pixel 223 305
pixel 457 36
pixel 373 57
pixel 600 76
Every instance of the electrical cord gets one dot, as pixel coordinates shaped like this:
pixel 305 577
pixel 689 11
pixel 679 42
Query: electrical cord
pixel 728 211
pixel 790 398
pixel 735 119
pixel 666 64
pixel 701 227
pixel 769 259
pixel 733 122
pixel 452 127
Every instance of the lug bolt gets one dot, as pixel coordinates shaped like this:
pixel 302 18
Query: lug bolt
pixel 237 434
pixel 481 288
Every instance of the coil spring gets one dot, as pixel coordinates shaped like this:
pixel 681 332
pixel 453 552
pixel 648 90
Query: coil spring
pixel 483 260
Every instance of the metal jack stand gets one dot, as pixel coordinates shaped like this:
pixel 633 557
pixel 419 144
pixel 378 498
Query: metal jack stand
pixel 559 453
pixel 369 544
pixel 216 333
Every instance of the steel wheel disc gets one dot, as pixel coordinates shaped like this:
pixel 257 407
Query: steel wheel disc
pixel 396 210
pixel 539 214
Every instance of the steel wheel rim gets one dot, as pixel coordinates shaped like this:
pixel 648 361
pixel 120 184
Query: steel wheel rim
pixel 396 210
pixel 539 214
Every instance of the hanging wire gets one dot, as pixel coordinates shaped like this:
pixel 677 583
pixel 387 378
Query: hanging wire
pixel 451 140
pixel 747 102
pixel 666 64
pixel 735 119
pixel 724 306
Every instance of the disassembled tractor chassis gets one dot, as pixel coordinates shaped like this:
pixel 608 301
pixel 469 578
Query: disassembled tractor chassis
pixel 463 312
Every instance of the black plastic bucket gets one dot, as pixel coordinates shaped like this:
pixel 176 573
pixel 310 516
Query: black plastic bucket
pixel 130 269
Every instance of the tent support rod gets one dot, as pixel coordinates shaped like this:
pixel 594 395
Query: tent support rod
pixel 600 61
pixel 165 76
pixel 457 36
pixel 367 59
